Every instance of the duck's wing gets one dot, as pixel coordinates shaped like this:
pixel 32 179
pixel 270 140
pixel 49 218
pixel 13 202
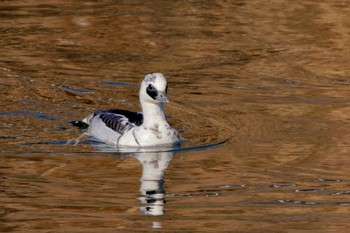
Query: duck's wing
pixel 116 119
pixel 133 117
pixel 119 120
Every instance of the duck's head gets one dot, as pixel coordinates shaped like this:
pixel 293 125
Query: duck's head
pixel 154 89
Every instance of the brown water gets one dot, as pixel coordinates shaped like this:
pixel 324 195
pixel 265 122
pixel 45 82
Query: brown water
pixel 271 77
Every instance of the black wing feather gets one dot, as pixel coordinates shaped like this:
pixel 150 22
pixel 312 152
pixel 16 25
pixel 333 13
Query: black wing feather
pixel 120 120
pixel 134 117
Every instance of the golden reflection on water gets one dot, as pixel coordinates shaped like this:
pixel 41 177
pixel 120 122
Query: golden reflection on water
pixel 271 77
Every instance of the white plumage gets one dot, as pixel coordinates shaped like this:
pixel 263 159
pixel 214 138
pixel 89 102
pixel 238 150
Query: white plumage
pixel 125 128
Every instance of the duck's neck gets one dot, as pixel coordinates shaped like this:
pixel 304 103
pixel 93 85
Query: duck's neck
pixel 152 114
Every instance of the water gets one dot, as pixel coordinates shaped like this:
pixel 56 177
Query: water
pixel 269 79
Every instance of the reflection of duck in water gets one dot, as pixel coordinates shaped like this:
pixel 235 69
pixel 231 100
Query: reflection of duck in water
pixel 125 128
pixel 154 162
pixel 152 190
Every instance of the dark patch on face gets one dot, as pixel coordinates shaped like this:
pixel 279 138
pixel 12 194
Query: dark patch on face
pixel 152 91
pixel 166 89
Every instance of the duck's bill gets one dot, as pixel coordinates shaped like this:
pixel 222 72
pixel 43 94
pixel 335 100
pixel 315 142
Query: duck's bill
pixel 162 97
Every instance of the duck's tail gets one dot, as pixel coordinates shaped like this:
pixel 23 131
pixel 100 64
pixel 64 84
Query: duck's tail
pixel 84 123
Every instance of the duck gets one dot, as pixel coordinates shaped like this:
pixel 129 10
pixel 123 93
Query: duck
pixel 124 128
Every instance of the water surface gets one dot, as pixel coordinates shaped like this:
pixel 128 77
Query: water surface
pixel 269 78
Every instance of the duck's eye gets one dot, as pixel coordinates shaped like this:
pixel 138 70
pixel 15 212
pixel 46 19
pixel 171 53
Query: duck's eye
pixel 150 87
pixel 152 91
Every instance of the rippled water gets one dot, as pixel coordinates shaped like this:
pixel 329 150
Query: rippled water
pixel 268 79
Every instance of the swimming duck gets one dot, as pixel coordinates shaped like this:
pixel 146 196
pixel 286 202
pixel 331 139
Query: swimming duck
pixel 136 129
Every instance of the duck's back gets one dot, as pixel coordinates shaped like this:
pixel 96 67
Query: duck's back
pixel 110 125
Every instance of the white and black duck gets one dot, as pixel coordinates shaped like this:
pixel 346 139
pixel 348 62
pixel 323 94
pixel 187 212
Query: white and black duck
pixel 136 129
